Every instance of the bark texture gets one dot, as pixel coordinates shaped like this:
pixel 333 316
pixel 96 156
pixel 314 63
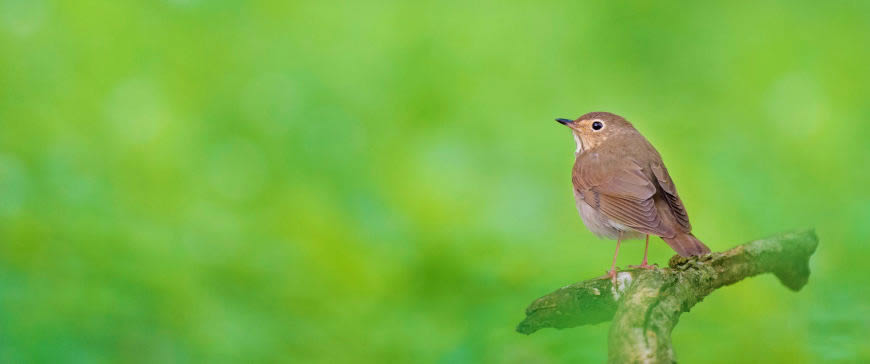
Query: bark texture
pixel 645 305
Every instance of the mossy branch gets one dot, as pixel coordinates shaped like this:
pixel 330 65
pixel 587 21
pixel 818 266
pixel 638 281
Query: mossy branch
pixel 645 305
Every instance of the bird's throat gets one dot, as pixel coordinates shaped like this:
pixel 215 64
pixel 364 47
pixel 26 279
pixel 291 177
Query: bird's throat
pixel 579 143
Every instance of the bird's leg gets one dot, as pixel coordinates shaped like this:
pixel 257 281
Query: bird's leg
pixel 643 265
pixel 612 273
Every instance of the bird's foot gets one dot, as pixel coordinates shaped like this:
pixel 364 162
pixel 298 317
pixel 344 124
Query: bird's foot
pixel 643 266
pixel 611 274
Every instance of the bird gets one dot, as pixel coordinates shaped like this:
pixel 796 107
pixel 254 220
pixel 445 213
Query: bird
pixel 622 189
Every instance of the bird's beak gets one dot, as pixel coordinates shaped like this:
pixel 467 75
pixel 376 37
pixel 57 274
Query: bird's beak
pixel 565 121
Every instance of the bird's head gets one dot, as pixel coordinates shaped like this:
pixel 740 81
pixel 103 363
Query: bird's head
pixel 592 129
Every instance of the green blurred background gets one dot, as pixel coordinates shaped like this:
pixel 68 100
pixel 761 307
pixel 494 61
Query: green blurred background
pixel 335 181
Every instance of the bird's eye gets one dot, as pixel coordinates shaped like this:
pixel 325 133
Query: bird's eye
pixel 597 125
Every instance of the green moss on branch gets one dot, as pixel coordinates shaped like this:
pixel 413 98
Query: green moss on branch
pixel 645 305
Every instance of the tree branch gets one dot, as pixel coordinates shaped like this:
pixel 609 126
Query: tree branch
pixel 645 305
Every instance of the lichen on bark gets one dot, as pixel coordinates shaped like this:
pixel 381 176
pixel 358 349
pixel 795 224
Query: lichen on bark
pixel 645 305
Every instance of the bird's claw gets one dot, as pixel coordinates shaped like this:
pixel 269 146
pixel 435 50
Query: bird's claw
pixel 611 274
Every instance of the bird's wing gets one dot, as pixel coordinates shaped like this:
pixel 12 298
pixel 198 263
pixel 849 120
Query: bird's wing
pixel 621 190
pixel 673 199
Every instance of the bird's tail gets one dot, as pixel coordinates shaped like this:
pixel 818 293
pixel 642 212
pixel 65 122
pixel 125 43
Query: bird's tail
pixel 687 245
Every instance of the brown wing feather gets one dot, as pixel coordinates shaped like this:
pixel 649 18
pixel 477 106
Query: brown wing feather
pixel 621 191
pixel 670 191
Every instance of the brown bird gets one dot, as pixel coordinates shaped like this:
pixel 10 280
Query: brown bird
pixel 623 190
